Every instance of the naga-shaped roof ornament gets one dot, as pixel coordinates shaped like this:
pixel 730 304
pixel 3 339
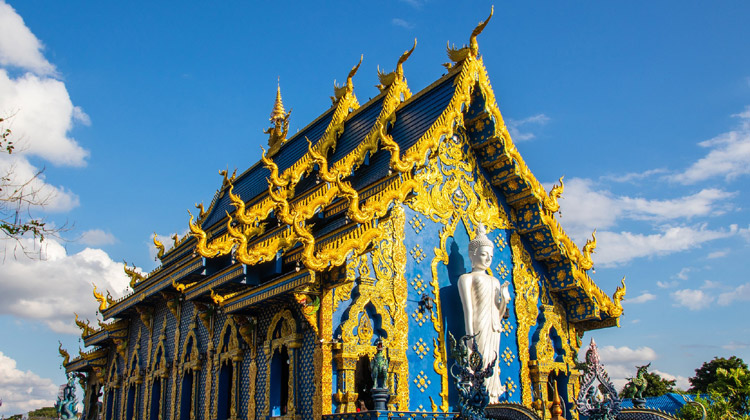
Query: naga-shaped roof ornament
pixel 159 247
pixel 280 120
pixel 85 327
pixel 472 50
pixel 340 91
pixel 616 307
pixel 586 263
pixel 100 298
pixel 591 402
pixel 63 353
pixel 387 79
pixel 135 277
pixel 551 200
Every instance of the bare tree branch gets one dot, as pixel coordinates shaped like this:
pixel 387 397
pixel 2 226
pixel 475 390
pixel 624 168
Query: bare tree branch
pixel 18 200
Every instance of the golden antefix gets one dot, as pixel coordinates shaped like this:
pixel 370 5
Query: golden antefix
pixel 369 225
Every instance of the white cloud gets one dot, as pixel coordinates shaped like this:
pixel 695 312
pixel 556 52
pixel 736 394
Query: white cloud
pixel 401 23
pixel 708 284
pixel 97 237
pixel 514 126
pixel 49 290
pixel 735 345
pixel 42 116
pixel 644 297
pixel 634 176
pixel 706 202
pixel 417 4
pixel 619 248
pixel 667 284
pixel 692 299
pixel 683 274
pixel 718 254
pixel 612 354
pixel 681 382
pixel 728 156
pixel 741 293
pixel 23 391
pixel 586 207
pixel 18 46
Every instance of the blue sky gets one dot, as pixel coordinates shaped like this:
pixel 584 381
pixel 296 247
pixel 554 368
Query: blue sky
pixel 133 108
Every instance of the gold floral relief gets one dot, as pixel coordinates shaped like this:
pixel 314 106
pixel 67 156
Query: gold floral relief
pixel 386 292
pixel 343 292
pixel 526 287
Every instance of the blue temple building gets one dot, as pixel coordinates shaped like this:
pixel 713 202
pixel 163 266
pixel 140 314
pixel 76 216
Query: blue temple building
pixel 352 230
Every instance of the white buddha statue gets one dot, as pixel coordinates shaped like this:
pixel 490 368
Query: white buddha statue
pixel 484 301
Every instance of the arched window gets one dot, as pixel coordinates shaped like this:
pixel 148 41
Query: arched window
pixel 158 375
pixel 280 382
pixel 130 407
pixel 134 379
pixel 111 397
pixel 282 341
pixel 189 367
pixel 228 359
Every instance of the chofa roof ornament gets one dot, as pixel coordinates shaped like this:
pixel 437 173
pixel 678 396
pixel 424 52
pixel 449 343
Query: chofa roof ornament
pixel 471 51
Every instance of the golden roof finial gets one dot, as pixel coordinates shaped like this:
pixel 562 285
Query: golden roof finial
pixel 280 124
pixel 278 107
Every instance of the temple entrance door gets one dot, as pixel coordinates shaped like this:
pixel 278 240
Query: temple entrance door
pixel 279 382
pixel 225 391
pixel 155 399
pixel 363 381
pixel 110 401
pixel 130 407
pixel 186 395
pixel 94 403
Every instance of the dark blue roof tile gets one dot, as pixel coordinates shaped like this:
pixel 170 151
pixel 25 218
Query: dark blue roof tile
pixel 413 120
pixel 356 129
pixel 253 182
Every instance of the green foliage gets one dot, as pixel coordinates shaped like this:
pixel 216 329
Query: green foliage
pixel 40 413
pixel 734 385
pixel 729 397
pixel 706 374
pixel 656 386
pixel 717 408
pixel 44 412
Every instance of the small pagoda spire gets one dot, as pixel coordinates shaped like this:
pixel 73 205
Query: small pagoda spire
pixel 280 124
pixel 278 106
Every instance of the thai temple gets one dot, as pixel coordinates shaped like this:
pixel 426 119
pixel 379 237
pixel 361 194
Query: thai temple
pixel 406 222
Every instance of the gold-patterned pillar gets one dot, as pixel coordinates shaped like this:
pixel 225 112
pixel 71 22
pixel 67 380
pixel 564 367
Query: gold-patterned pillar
pixel 252 377
pixel 233 410
pixel 194 393
pixel 323 357
pixel 347 394
pixel 573 389
pixel 539 377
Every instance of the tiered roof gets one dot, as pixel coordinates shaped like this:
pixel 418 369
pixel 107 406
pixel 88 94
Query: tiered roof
pixel 316 201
